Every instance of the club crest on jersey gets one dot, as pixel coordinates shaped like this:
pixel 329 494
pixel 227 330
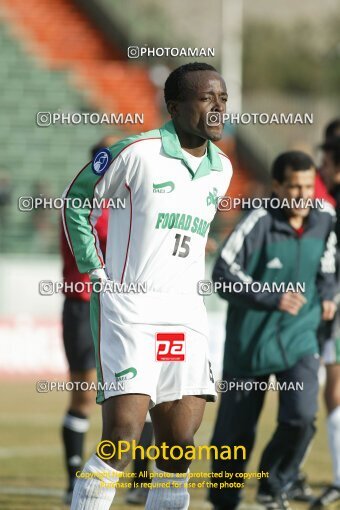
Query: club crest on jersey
pixel 212 198
pixel 101 161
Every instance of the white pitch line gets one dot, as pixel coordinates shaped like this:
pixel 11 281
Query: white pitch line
pixel 29 451
pixel 32 491
pixel 41 420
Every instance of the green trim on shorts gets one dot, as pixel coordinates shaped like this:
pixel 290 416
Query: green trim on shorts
pixel 337 350
pixel 95 327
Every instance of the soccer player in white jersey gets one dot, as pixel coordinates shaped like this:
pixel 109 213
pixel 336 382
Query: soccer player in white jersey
pixel 155 342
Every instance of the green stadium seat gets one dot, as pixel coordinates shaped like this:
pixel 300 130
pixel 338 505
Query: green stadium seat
pixel 30 153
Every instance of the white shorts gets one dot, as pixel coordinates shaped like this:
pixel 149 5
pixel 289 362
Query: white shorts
pixel 151 344
pixel 331 351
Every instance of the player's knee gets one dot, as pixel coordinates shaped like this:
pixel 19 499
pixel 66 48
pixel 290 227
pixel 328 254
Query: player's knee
pixel 88 400
pixel 122 438
pixel 176 459
pixel 301 422
pixel 307 417
pixel 300 415
pixel 181 439
pixel 332 394
pixel 124 432
pixel 175 453
pixel 83 403
pixel 332 401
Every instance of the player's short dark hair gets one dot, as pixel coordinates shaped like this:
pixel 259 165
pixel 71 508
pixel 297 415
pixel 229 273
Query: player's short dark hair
pixel 297 161
pixel 333 147
pixel 332 128
pixel 175 82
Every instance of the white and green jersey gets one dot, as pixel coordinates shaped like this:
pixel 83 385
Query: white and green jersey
pixel 159 238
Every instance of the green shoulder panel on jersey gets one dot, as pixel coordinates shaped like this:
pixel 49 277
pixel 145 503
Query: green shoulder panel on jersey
pixel 118 147
pixel 172 148
pixel 77 220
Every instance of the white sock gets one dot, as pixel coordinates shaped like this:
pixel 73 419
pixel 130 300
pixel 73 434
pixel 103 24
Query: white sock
pixel 333 426
pixel 89 493
pixel 166 498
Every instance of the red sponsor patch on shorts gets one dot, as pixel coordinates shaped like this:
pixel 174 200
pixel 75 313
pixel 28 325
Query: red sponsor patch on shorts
pixel 170 346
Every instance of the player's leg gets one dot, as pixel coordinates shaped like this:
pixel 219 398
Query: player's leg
pixel 331 493
pixel 127 379
pixel 76 424
pixel 146 438
pixel 332 397
pixel 175 424
pixel 138 495
pixel 79 351
pixel 286 450
pixel 123 420
pixel 236 423
pixel 83 400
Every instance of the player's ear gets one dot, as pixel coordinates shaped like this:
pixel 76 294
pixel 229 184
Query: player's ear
pixel 172 107
pixel 276 185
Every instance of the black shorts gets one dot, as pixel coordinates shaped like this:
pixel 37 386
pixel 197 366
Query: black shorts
pixel 77 335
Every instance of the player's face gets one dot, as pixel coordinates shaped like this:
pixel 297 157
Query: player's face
pixel 297 185
pixel 205 91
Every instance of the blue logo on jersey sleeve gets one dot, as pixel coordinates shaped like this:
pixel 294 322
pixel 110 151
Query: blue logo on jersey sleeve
pixel 101 161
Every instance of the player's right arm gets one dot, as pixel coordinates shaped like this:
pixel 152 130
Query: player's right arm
pixel 79 222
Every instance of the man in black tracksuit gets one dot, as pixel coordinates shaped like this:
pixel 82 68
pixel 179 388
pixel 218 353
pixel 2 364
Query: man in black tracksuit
pixel 274 332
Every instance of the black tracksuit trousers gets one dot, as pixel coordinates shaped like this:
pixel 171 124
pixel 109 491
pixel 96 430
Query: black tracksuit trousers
pixel 236 423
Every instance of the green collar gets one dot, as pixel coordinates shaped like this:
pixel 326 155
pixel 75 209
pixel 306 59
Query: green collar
pixel 172 148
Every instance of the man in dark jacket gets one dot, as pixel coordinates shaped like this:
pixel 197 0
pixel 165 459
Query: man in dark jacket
pixel 274 331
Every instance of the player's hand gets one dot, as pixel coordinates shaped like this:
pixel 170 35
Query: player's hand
pixel 211 246
pixel 328 310
pixel 291 302
pixel 98 275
